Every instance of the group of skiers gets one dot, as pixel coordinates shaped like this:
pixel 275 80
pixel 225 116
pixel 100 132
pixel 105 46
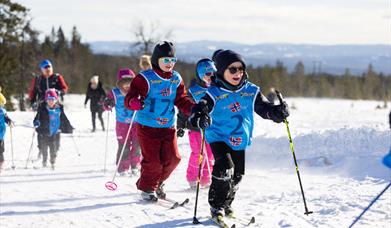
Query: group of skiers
pixel 217 109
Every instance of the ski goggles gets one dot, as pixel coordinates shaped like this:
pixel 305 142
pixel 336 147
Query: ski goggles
pixel 167 60
pixel 51 98
pixel 233 70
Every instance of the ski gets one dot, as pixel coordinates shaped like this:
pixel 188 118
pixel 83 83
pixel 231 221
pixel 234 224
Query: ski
pixel 244 222
pixel 219 221
pixel 175 203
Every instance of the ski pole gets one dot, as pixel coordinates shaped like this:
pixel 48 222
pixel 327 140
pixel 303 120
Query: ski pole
pixel 195 220
pixel 12 148
pixel 111 185
pixel 307 212
pixel 31 147
pixel 107 141
pixel 77 149
pixel 367 208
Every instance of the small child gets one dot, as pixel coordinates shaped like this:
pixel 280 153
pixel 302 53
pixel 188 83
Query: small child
pixel 205 68
pixel 49 122
pixel 131 156
pixel 4 119
pixel 231 102
pixel 154 93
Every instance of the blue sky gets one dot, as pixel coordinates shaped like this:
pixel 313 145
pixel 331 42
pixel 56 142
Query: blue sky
pixel 243 21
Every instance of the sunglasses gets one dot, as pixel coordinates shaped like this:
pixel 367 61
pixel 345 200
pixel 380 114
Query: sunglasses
pixel 51 99
pixel 233 70
pixel 47 67
pixel 208 74
pixel 169 60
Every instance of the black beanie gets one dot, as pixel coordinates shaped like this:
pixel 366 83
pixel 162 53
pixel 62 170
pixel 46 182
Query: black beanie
pixel 215 53
pixel 224 58
pixel 162 49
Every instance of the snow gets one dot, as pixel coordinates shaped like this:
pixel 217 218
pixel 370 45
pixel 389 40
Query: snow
pixel 339 145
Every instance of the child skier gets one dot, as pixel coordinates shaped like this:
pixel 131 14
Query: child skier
pixel 4 119
pixel 154 93
pixel 49 122
pixel 96 94
pixel 205 68
pixel 230 102
pixel 131 155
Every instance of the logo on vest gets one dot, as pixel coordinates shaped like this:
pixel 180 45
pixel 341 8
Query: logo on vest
pixel 244 94
pixel 175 81
pixel 162 121
pixel 165 92
pixel 221 97
pixel 156 81
pixel 235 107
pixel 235 141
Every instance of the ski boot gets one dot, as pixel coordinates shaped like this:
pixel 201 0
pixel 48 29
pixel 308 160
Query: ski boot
pixel 160 191
pixel 229 212
pixel 149 196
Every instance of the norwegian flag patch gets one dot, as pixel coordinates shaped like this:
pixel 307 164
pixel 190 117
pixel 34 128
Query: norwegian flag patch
pixel 235 107
pixel 235 141
pixel 165 92
pixel 162 121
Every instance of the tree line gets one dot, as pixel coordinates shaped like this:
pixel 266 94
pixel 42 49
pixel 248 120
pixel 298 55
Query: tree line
pixel 21 51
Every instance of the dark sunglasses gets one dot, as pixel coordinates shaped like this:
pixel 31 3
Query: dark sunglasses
pixel 47 67
pixel 208 74
pixel 233 70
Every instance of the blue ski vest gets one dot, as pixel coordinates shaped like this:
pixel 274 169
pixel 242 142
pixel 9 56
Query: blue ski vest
pixel 232 116
pixel 54 119
pixel 122 114
pixel 197 92
pixel 159 111
pixel 3 126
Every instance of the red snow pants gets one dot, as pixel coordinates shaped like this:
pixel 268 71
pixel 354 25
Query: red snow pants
pixel 160 155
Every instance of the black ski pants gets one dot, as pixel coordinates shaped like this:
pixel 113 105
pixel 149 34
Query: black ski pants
pixel 51 142
pixel 227 173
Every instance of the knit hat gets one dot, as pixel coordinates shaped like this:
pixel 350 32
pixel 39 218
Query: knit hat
pixel 95 79
pixel 215 53
pixel 225 58
pixel 51 94
pixel 162 49
pixel 125 74
pixel 3 101
pixel 45 63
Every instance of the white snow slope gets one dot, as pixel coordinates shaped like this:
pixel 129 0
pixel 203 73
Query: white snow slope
pixel 339 145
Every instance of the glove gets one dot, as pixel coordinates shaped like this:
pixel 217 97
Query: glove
pixel 281 112
pixel 34 106
pixel 36 123
pixel 180 132
pixel 108 104
pixel 136 103
pixel 200 117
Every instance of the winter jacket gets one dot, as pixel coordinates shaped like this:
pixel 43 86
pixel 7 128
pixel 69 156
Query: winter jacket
pixel 96 96
pixel 40 84
pixel 43 118
pixel 3 121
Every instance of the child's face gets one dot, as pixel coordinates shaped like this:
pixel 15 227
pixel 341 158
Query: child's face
pixel 234 73
pixel 51 103
pixel 167 64
pixel 125 86
pixel 207 79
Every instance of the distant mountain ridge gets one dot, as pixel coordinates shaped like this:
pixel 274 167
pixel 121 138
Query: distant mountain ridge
pixel 316 58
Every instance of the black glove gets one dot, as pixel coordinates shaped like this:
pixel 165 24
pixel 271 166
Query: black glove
pixel 281 112
pixel 200 116
pixel 180 132
pixel 109 103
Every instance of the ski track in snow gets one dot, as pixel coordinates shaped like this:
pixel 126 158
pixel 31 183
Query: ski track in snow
pixel 339 145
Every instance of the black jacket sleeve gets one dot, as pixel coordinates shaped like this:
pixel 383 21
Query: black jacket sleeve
pixel 182 121
pixel 265 109
pixel 65 125
pixel 87 94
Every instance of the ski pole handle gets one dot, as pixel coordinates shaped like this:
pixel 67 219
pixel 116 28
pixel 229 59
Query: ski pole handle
pixel 279 96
